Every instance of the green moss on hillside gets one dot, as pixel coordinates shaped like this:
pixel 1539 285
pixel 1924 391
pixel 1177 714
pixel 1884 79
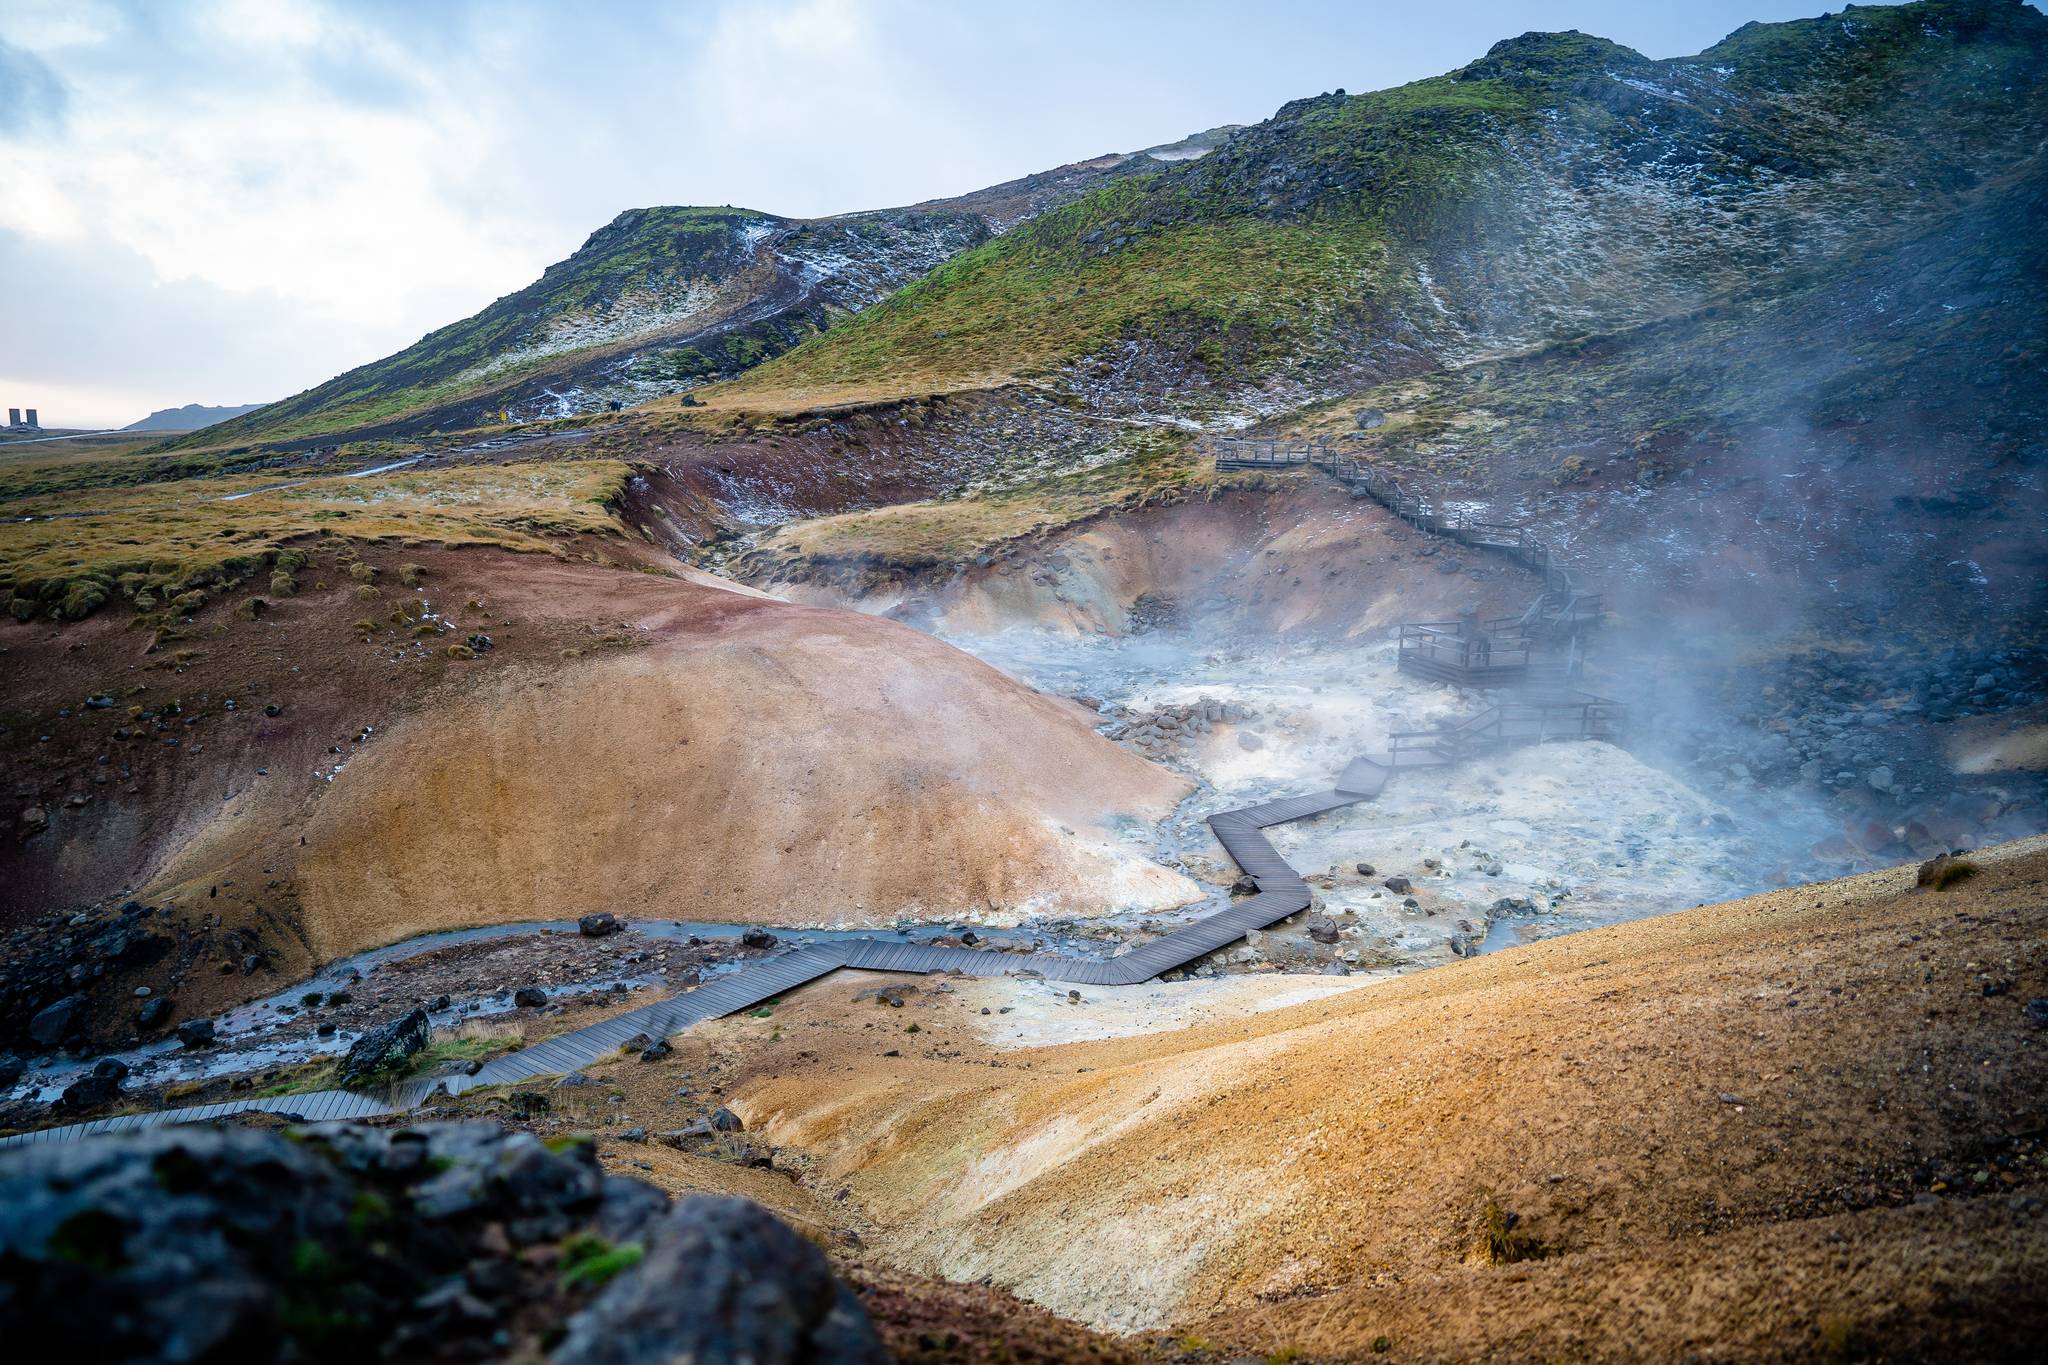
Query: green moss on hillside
pixel 656 251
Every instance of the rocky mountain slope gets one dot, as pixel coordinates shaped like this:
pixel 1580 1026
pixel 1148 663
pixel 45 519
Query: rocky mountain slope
pixel 1561 184
pixel 661 299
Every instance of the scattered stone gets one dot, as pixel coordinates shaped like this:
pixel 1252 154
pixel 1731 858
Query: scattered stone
pixel 90 1091
pixel 1400 886
pixel 154 1012
pixel 1365 869
pixel 196 1033
pixel 386 1049
pixel 12 1068
pixel 759 938
pixel 55 1022
pixel 598 925
pixel 725 1121
pixel 1322 928
pixel 529 997
pixel 1249 742
pixel 658 1051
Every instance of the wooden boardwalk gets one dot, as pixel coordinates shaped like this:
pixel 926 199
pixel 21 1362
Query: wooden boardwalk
pixel 1281 892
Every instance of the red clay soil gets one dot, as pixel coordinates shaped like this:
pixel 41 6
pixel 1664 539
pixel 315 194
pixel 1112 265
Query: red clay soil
pixel 691 739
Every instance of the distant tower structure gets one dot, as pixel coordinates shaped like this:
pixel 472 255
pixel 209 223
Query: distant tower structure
pixel 14 417
pixel 33 424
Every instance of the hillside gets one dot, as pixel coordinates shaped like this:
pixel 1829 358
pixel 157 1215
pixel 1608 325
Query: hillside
pixel 1560 184
pixel 1805 1125
pixel 662 299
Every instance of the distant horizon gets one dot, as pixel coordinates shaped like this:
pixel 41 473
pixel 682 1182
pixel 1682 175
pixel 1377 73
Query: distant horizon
pixel 178 226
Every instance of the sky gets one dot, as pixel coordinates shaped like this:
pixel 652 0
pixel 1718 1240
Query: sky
pixel 229 201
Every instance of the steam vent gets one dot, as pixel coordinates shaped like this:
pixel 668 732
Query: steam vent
pixel 1412 730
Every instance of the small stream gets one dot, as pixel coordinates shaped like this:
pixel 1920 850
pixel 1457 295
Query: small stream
pixel 246 1041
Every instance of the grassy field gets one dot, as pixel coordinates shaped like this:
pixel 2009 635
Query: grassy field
pixel 63 555
pixel 1026 304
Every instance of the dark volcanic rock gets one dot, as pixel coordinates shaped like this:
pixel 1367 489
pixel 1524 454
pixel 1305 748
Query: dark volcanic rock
pixel 153 1012
pixel 196 1033
pixel 758 938
pixel 50 964
pixel 723 1280
pixel 57 1021
pixel 530 997
pixel 385 1049
pixel 598 925
pixel 343 1242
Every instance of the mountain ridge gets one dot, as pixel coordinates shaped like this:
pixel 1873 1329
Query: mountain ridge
pixel 664 297
pixel 191 417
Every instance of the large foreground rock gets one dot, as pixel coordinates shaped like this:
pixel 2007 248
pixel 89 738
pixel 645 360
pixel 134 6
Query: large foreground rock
pixel 723 1280
pixel 343 1242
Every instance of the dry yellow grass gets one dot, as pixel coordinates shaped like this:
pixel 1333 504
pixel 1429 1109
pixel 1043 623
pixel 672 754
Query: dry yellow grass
pixel 1695 1110
pixel 165 536
pixel 922 534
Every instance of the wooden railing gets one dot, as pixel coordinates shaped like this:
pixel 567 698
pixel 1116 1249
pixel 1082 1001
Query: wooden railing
pixel 1578 717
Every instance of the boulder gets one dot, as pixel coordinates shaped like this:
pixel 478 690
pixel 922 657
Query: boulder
pixel 725 1121
pixel 1400 886
pixel 55 1022
pixel 529 997
pixel 11 1069
pixel 598 925
pixel 1322 928
pixel 153 1012
pixel 758 938
pixel 723 1280
pixel 385 1049
pixel 90 1092
pixel 196 1033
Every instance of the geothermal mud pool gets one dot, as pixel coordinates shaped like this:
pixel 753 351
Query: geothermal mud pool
pixel 1529 843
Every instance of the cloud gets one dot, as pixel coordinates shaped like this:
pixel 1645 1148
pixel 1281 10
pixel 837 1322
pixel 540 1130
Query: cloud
pixel 31 96
pixel 110 341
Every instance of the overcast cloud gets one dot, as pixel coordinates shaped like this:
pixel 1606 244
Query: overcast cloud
pixel 230 201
